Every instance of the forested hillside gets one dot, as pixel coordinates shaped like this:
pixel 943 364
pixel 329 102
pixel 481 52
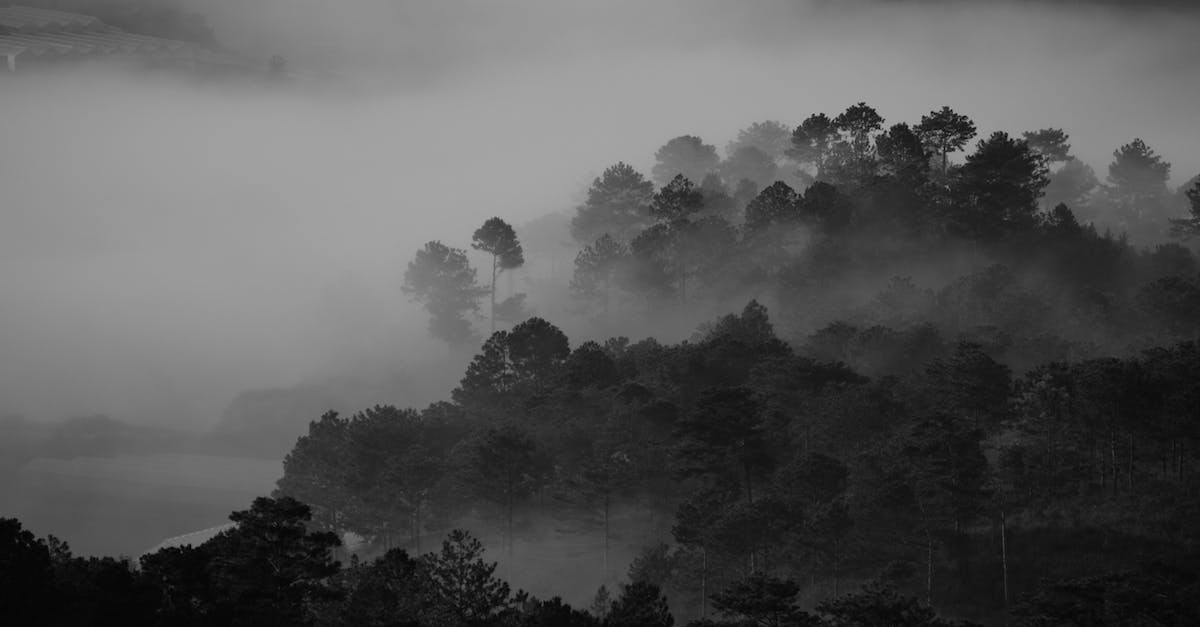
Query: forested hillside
pixel 961 379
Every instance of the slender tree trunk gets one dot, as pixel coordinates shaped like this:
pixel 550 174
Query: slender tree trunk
pixel 492 314
pixel 928 568
pixel 836 570
pixel 606 507
pixel 510 537
pixel 703 581
pixel 750 501
pixel 928 554
pixel 1004 560
pixel 607 291
pixel 749 490
pixel 1112 457
pixel 1131 456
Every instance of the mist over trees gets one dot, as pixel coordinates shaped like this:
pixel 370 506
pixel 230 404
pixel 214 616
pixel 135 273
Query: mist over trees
pixel 880 372
pixel 941 445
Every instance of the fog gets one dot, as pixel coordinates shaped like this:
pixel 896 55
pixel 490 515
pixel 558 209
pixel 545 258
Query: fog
pixel 167 245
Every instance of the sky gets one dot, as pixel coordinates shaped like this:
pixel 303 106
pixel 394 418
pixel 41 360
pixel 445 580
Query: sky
pixel 166 245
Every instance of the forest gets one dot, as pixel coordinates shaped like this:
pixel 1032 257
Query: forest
pixel 958 383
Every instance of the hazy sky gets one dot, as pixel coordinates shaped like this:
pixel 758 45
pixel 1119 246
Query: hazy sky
pixel 165 245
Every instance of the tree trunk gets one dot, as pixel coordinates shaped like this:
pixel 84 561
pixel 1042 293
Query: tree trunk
pixel 928 554
pixel 703 581
pixel 492 314
pixel 510 538
pixel 607 292
pixel 1131 456
pixel 1004 559
pixel 836 570
pixel 1112 458
pixel 606 506
pixel 928 568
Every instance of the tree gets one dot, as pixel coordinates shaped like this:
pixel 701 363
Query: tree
pixel 392 469
pixel 537 350
pixel 1138 173
pixel 314 471
pixel 1138 179
pixel 696 522
pixel 812 142
pixel 902 154
pixel 267 569
pixel 604 475
pixel 699 250
pixel 464 584
pixel 775 206
pixel 499 240
pixel 998 189
pixel 651 262
pixel 1072 184
pixel 1174 303
pixel 526 358
pixel 764 601
pixel 641 604
pixel 554 613
pixel 596 266
pixel 815 484
pixel 1050 143
pixel 1190 226
pixel 677 200
pixel 971 384
pixel 505 465
pixel 617 204
pixel 825 207
pixel 686 155
pixel 725 433
pixel 443 280
pixel 716 198
pixel 945 131
pixel 1155 594
pixel 880 605
pixel 591 366
pixel 771 138
pixel 751 164
pixel 26 576
pixel 859 122
pixel 392 591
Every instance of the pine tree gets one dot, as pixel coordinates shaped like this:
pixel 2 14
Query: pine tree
pixel 497 238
